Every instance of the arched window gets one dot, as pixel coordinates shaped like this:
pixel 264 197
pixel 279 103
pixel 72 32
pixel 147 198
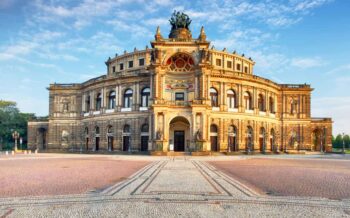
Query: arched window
pixel 261 102
pixel 144 128
pixel 248 101
pixel 126 128
pixel 214 97
pixel 231 98
pixel 128 98
pixel 97 130
pixel 98 101
pixel 87 103
pixel 145 93
pixel 271 105
pixel 111 100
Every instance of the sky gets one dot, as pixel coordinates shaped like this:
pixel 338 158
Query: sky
pixel 65 41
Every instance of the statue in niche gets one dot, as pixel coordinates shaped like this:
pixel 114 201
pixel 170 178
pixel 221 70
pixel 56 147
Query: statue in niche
pixel 64 137
pixel 65 105
pixel 198 135
pixel 159 135
pixel 154 55
pixel 204 55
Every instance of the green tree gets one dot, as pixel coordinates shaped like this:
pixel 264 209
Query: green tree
pixel 338 142
pixel 12 120
pixel 347 141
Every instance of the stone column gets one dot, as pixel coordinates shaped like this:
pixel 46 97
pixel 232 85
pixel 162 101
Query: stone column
pixel 137 96
pixel 196 89
pixel 92 101
pixel 120 97
pixel 103 98
pixel 117 98
pixel 83 103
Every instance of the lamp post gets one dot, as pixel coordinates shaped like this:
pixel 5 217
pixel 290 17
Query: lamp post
pixel 15 136
pixel 343 144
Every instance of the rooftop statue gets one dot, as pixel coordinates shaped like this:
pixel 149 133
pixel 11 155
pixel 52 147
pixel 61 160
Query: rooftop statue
pixel 180 20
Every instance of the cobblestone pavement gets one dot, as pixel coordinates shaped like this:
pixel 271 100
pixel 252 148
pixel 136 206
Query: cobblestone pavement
pixel 303 177
pixel 30 176
pixel 174 187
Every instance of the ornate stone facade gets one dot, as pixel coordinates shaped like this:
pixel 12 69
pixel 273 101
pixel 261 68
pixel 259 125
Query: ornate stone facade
pixel 181 95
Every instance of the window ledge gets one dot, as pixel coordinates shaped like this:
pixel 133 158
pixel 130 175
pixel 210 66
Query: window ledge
pixel 249 111
pixel 215 109
pixel 96 112
pixel 262 113
pixel 86 114
pixel 233 110
pixel 143 108
pixel 126 109
pixel 108 111
pixel 273 115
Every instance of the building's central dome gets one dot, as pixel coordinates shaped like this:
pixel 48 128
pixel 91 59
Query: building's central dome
pixel 180 26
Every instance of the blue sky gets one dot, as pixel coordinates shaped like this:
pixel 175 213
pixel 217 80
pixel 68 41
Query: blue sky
pixel 292 41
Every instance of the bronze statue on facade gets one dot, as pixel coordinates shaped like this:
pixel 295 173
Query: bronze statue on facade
pixel 180 20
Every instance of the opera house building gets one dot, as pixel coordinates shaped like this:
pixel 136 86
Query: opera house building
pixel 180 95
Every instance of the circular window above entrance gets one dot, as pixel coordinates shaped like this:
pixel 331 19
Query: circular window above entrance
pixel 180 63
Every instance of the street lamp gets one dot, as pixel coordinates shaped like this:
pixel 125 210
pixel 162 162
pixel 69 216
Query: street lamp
pixel 343 144
pixel 15 136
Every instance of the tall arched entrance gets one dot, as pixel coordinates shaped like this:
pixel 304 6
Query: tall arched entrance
pixel 179 134
pixel 232 138
pixel 214 138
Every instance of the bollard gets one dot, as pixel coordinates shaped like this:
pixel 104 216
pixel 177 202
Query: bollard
pixel 13 152
pixel 30 151
pixel 7 152
pixel 25 151
pixel 36 151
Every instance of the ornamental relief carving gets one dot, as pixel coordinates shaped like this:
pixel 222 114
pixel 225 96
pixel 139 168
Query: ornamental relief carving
pixel 65 104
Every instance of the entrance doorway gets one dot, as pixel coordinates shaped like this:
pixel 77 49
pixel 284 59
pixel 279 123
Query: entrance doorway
pixel 87 144
pixel 97 143
pixel 179 134
pixel 214 137
pixel 179 140
pixel 110 143
pixel 126 143
pixel 144 143
pixel 144 137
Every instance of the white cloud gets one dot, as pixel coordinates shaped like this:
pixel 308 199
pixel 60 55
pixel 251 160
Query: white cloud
pixel 340 69
pixel 135 30
pixel 307 62
pixel 157 21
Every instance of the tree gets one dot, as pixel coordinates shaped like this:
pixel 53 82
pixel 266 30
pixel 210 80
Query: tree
pixel 338 142
pixel 347 141
pixel 12 120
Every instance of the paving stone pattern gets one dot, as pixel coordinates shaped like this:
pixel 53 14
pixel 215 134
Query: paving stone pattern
pixel 174 187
